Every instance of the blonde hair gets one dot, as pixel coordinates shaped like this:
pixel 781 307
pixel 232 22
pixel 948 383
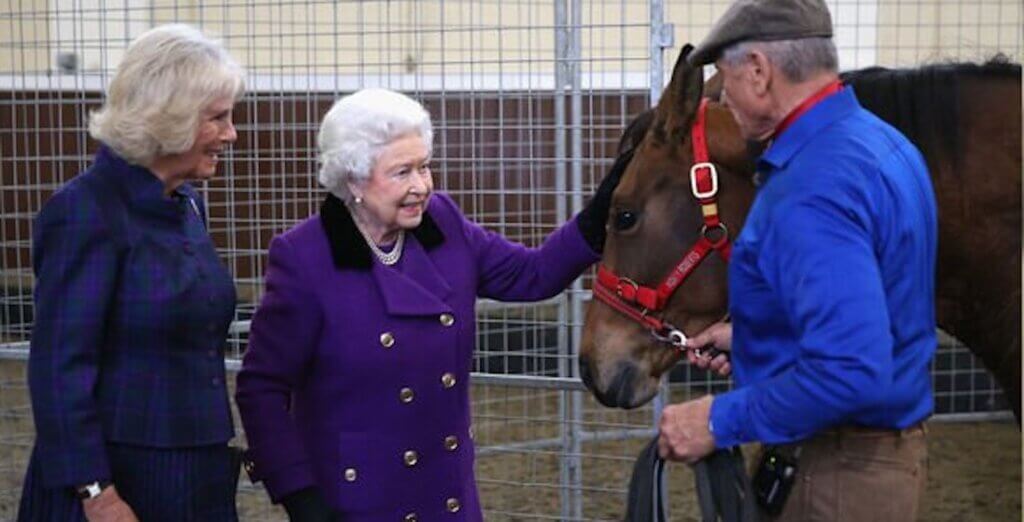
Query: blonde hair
pixel 358 126
pixel 167 77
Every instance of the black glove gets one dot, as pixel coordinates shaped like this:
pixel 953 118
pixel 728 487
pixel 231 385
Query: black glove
pixel 594 217
pixel 308 505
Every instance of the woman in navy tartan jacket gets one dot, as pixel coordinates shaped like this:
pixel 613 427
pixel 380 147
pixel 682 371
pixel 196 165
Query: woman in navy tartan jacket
pixel 126 368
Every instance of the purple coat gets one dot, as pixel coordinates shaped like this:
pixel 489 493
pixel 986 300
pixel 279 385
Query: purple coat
pixel 357 374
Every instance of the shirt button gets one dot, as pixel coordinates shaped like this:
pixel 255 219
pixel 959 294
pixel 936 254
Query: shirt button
pixel 411 517
pixel 451 443
pixel 350 475
pixel 215 381
pixel 411 458
pixel 447 319
pixel 211 353
pixel 387 339
pixel 187 247
pixel 452 504
pixel 212 328
pixel 406 395
pixel 448 380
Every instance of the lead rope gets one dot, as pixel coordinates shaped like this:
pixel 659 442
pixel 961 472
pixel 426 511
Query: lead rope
pixel 721 482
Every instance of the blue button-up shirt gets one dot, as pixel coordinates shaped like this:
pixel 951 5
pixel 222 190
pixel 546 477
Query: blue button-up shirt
pixel 832 283
pixel 132 310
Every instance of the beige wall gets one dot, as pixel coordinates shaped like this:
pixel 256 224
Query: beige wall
pixel 24 40
pixel 935 30
pixel 480 37
pixel 426 36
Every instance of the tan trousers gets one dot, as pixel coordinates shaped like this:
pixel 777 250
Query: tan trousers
pixel 860 475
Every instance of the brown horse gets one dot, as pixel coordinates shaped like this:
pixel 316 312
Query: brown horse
pixel 965 118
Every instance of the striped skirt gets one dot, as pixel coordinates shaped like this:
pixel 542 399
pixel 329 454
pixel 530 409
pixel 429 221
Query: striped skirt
pixel 172 485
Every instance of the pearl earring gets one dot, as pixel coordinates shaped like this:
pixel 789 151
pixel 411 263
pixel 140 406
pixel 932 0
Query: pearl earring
pixel 359 200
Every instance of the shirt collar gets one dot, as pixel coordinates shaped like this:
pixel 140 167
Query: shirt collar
pixel 805 128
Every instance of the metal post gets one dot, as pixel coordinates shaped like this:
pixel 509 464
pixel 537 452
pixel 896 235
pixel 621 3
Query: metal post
pixel 561 214
pixel 575 59
pixel 662 36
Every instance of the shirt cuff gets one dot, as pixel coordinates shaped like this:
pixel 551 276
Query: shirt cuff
pixel 729 421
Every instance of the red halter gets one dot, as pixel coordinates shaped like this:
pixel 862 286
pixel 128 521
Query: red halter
pixel 640 302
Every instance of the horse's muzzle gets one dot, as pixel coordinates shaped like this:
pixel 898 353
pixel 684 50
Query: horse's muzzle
pixel 619 393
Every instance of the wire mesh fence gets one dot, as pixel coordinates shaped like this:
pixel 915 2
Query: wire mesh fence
pixel 528 98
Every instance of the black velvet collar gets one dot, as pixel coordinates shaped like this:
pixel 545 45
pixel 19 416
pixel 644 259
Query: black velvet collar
pixel 349 249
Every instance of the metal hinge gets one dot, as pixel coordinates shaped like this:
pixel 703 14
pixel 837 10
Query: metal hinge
pixel 666 36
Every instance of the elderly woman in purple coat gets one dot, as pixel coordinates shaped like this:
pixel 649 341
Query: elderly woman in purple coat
pixel 354 391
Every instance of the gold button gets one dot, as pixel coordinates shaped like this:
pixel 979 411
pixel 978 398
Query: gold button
pixel 350 474
pixel 411 517
pixel 447 319
pixel 387 339
pixel 448 380
pixel 411 458
pixel 452 504
pixel 451 442
pixel 406 395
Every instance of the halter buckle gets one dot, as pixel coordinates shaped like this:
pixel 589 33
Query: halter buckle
pixel 710 193
pixel 627 289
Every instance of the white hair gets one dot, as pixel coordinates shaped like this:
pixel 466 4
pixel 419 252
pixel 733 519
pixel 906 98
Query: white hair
pixel 167 77
pixel 797 59
pixel 357 127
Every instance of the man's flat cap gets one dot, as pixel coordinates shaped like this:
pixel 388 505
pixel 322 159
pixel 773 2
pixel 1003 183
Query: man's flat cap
pixel 764 20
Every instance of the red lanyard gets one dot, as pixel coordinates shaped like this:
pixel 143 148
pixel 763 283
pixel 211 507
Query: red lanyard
pixel 806 105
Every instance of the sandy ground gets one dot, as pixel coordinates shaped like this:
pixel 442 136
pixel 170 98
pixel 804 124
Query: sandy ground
pixel 974 475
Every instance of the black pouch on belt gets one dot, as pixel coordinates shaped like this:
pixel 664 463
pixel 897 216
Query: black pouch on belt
pixel 774 478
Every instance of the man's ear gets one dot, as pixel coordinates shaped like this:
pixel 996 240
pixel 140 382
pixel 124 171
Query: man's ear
pixel 760 71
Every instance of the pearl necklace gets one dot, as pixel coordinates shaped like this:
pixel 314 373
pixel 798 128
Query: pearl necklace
pixel 386 258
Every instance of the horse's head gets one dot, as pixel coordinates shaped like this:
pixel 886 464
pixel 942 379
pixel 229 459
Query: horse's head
pixel 657 232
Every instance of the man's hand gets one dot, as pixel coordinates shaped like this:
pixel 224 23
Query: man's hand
pixel 717 336
pixel 108 507
pixel 684 433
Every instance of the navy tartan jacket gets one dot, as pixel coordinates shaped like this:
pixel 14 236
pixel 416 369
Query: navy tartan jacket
pixel 132 307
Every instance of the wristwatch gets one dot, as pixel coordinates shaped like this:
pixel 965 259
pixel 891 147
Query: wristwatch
pixel 92 489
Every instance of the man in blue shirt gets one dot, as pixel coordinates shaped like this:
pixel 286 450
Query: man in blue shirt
pixel 831 281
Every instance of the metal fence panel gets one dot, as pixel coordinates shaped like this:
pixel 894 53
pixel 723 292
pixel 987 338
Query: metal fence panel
pixel 528 99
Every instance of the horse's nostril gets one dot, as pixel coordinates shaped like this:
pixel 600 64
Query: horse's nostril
pixel 622 386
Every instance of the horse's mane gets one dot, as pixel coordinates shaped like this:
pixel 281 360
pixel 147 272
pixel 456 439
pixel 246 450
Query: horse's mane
pixel 924 102
pixel 635 132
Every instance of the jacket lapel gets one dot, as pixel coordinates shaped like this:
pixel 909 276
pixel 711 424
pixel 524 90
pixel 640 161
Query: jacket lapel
pixel 349 249
pixel 418 289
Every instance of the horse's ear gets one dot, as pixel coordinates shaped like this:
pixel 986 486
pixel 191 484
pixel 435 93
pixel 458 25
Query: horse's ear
pixel 679 102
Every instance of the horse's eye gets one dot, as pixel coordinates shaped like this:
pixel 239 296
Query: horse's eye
pixel 624 220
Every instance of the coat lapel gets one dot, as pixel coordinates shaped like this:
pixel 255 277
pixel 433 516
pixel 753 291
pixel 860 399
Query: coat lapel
pixel 417 289
pixel 349 249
